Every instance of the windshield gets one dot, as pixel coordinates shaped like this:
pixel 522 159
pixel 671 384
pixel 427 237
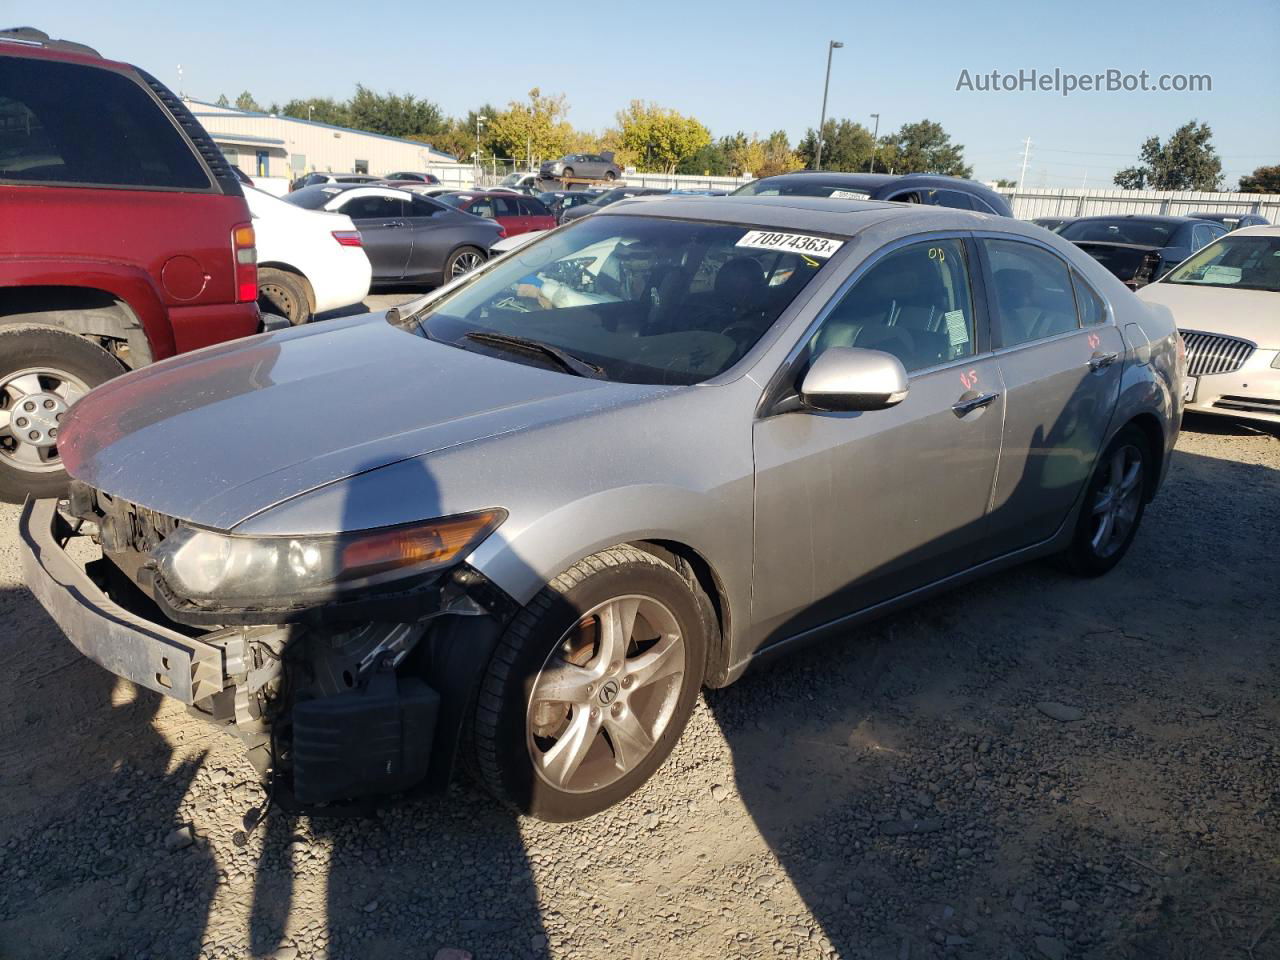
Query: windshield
pixel 1246 263
pixel 314 197
pixel 809 186
pixel 643 299
pixel 511 180
pixel 1146 233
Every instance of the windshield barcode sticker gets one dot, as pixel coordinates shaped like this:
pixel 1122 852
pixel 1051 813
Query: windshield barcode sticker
pixel 794 242
pixel 847 195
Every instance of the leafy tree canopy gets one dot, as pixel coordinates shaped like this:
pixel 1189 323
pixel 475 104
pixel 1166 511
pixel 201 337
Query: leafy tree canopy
pixel 1187 161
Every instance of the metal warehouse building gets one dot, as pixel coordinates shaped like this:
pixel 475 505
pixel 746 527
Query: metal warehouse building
pixel 270 146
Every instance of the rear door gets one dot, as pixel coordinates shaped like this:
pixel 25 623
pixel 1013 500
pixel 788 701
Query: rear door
pixel 384 229
pixel 426 217
pixel 537 216
pixel 870 505
pixel 506 210
pixel 1061 377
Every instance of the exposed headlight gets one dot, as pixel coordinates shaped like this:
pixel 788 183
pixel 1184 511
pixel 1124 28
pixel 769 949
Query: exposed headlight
pixel 232 571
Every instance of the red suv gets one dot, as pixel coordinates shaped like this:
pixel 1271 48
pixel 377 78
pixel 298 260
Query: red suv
pixel 124 238
pixel 516 214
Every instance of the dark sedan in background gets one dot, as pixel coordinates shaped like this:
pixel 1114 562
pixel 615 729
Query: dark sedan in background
pixel 1234 221
pixel 928 189
pixel 406 236
pixel 606 198
pixel 1140 249
pixel 1054 224
pixel 560 201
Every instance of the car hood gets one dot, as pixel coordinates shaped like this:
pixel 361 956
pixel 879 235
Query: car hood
pixel 1250 314
pixel 217 436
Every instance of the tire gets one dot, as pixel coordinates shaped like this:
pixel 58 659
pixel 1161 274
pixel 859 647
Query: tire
pixel 283 293
pixel 48 369
pixel 519 738
pixel 1093 550
pixel 567 172
pixel 610 175
pixel 456 265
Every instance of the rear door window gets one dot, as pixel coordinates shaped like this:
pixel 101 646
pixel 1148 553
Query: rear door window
pixel 374 208
pixel 1032 292
pixel 1093 310
pixel 503 207
pixel 66 123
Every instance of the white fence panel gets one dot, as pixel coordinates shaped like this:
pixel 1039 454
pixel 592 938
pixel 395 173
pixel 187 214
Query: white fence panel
pixel 1031 203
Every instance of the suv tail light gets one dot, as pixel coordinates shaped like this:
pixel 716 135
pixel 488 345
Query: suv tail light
pixel 245 247
pixel 348 238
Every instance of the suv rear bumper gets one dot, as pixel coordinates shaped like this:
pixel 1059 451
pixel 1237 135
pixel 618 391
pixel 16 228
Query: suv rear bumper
pixel 146 653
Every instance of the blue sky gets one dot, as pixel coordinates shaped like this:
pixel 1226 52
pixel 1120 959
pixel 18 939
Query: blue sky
pixel 749 65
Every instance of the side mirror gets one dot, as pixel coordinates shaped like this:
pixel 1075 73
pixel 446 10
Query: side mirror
pixel 850 378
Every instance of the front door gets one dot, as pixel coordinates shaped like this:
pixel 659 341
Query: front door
pixel 1061 366
pixel 384 231
pixel 856 508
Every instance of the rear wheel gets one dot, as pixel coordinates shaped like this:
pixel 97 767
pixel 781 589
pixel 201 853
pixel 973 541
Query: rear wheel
pixel 1113 506
pixel 43 371
pixel 461 261
pixel 610 175
pixel 285 294
pixel 568 172
pixel 592 685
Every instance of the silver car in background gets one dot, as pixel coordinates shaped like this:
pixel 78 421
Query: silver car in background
pixel 531 515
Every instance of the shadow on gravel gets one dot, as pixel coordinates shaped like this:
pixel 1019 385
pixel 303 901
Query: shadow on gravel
pixel 931 809
pixel 93 866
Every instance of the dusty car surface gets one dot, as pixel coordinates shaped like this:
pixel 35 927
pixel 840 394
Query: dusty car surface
pixel 618 464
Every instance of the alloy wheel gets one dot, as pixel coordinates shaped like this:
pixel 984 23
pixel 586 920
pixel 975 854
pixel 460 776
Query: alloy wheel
pixel 33 404
pixel 1115 507
pixel 465 263
pixel 605 694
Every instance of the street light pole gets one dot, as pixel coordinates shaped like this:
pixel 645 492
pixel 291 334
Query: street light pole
pixel 875 142
pixel 480 122
pixel 833 45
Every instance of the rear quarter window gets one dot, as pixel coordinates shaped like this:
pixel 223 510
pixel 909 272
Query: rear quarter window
pixel 66 123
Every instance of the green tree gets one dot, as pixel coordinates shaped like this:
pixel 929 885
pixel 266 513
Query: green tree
pixel 246 102
pixel 459 137
pixel 319 109
pixel 1186 161
pixel 1002 182
pixel 537 127
pixel 846 146
pixel 1262 180
pixel 394 115
pixel 222 100
pixel 923 147
pixel 656 138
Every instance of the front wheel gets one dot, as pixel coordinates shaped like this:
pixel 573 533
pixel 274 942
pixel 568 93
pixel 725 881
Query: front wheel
pixel 1113 505
pixel 43 371
pixel 610 175
pixel 568 172
pixel 462 261
pixel 592 685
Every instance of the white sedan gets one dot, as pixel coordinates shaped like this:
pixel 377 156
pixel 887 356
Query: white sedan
pixel 309 262
pixel 1225 300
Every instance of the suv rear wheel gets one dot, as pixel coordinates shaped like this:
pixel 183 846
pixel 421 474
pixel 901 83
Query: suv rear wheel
pixel 43 371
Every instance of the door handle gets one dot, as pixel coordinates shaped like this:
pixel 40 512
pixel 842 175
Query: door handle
pixel 394 223
pixel 963 407
pixel 1100 360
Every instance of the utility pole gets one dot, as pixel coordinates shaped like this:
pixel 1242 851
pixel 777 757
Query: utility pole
pixel 831 46
pixel 1026 154
pixel 480 122
pixel 875 142
pixel 180 94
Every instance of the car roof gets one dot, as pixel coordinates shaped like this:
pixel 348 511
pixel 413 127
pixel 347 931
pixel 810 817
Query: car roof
pixel 1261 230
pixel 29 38
pixel 1137 218
pixel 841 218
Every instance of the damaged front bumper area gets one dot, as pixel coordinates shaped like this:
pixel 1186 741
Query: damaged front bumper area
pixel 332 709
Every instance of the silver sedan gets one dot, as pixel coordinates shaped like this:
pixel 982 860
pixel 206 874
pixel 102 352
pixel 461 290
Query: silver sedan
pixel 533 514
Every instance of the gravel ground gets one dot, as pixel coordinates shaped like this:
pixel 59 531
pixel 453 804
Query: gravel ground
pixel 1033 767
